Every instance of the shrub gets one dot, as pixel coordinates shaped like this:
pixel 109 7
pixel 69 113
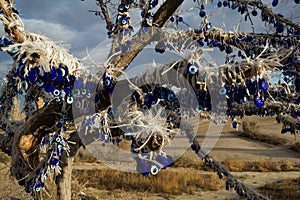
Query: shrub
pixel 250 127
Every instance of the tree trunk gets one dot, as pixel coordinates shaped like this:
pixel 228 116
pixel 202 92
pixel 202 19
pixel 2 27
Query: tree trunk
pixel 64 181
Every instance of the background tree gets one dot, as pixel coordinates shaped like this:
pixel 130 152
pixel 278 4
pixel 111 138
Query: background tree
pixel 43 142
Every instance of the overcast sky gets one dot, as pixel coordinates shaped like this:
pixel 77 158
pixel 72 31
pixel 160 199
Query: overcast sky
pixel 69 21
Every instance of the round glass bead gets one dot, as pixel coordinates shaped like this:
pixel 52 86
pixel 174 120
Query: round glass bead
pixel 69 100
pixel 154 170
pixel 222 90
pixel 254 13
pixel 275 3
pixel 56 92
pixel 193 69
pixel 171 97
pixel 258 101
pixel 202 13
pixel 225 3
pixel 78 104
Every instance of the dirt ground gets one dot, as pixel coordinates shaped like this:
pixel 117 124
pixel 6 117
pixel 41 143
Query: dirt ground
pixel 228 146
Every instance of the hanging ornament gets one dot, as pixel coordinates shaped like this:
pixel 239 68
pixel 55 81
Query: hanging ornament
pixel 263 84
pixel 258 101
pixel 275 3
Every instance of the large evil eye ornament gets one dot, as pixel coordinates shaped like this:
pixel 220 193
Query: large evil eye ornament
pixel 192 68
pixel 108 82
pixel 143 167
pixel 166 161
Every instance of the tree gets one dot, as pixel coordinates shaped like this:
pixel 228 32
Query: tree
pixel 58 119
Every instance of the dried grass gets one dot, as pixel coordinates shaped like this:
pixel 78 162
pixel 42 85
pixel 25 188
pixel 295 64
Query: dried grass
pixel 283 189
pixel 261 166
pixel 168 181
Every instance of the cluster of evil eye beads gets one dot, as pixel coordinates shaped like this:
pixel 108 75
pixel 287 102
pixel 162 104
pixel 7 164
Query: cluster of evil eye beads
pixel 147 13
pixel 123 17
pixel 244 9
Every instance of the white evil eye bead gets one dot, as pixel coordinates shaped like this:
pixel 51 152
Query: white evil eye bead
pixel 24 85
pixel 119 17
pixel 124 22
pixel 199 108
pixel 145 107
pixel 56 92
pixel 69 100
pixel 193 69
pixel 39 83
pixel 78 104
pixel 222 90
pixel 121 7
pixel 76 91
pixel 58 140
pixel 37 187
pixel 127 6
pixel 83 91
pixel 58 99
pixel 154 170
pixel 107 82
pixel 88 95
pixel 63 71
pixel 171 97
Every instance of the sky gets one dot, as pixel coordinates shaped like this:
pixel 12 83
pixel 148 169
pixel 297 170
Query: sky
pixel 70 22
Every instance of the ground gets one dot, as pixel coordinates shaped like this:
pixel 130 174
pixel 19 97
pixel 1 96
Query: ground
pixel 259 164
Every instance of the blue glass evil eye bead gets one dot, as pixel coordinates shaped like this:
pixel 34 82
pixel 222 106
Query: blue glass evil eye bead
pixel 21 71
pixel 219 4
pixel 48 87
pixel 108 82
pixel 254 13
pixel 225 3
pixel 202 13
pixel 154 170
pixel 121 8
pixel 199 108
pixel 54 162
pixel 259 4
pixel 171 96
pixel 222 90
pixel 275 3
pixel 56 92
pixel 258 101
pixel 154 3
pixel 192 68
pixel 4 42
pixel 37 187
pixel 263 85
pixel 295 60
pixel 234 124
pixel 53 73
pixel 33 75
pixel 160 47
